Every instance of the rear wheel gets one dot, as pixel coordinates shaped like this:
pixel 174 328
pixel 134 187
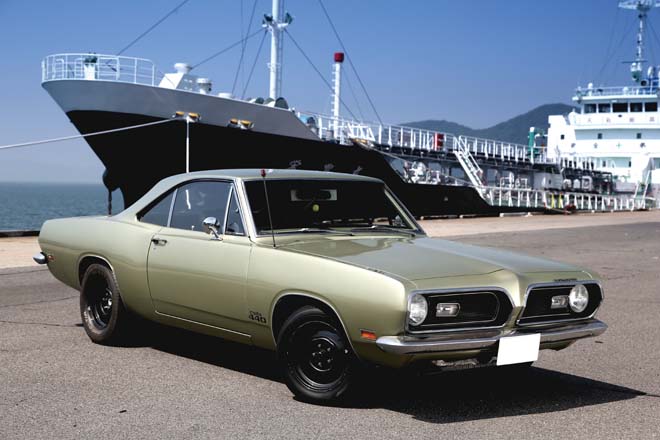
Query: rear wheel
pixel 318 362
pixel 105 319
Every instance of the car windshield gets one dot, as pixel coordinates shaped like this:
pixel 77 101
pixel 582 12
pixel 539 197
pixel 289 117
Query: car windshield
pixel 326 206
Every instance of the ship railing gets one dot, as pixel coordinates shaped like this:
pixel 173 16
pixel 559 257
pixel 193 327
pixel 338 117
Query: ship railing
pixel 86 66
pixel 528 198
pixel 489 148
pixel 650 90
pixel 415 139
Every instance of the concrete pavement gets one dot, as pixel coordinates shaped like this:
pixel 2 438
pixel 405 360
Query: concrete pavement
pixel 54 383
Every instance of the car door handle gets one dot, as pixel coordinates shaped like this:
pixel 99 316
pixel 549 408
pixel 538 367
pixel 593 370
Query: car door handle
pixel 159 241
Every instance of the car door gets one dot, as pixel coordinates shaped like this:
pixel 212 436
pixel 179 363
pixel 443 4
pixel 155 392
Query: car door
pixel 192 275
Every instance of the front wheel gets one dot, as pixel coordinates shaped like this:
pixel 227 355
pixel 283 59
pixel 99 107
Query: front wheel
pixel 105 319
pixel 318 361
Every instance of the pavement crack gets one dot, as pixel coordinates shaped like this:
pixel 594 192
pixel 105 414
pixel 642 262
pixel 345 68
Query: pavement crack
pixel 2 321
pixel 39 302
pixel 22 272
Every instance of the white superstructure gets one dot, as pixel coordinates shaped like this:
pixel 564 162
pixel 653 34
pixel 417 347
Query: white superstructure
pixel 616 129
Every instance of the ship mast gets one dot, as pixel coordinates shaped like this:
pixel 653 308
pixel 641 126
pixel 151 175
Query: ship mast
pixel 276 22
pixel 642 7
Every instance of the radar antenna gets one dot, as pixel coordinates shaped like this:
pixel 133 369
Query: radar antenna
pixel 642 7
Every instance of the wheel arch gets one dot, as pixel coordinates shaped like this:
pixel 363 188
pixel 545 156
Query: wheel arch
pixel 87 260
pixel 289 302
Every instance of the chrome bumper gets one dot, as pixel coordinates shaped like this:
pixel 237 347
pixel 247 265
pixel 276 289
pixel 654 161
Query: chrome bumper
pixel 40 258
pixel 478 340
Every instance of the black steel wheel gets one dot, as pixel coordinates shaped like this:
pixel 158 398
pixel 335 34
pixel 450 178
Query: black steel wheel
pixel 104 317
pixel 318 361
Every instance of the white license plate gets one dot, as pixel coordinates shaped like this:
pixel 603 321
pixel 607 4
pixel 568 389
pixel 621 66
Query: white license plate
pixel 518 349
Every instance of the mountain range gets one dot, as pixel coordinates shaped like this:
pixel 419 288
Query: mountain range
pixel 513 130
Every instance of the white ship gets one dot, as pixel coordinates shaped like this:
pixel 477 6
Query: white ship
pixel 616 129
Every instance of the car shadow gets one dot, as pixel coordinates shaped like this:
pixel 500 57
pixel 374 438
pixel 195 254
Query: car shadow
pixel 458 396
pixel 215 351
pixel 446 397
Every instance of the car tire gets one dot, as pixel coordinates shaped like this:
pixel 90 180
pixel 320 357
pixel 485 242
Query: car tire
pixel 104 317
pixel 319 364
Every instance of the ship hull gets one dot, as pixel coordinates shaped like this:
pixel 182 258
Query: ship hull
pixel 136 159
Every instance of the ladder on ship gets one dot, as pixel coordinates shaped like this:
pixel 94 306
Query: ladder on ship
pixel 469 163
pixel 643 188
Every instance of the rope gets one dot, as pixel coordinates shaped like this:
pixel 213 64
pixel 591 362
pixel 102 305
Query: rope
pixel 654 35
pixel 226 49
pixel 618 46
pixel 318 72
pixel 341 43
pixel 152 27
pixel 78 136
pixel 609 45
pixel 256 58
pixel 243 46
pixel 355 99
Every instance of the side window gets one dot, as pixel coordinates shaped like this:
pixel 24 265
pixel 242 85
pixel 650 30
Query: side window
pixel 158 213
pixel 198 200
pixel 234 220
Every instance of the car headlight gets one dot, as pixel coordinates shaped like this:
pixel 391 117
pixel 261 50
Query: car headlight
pixel 578 298
pixel 417 309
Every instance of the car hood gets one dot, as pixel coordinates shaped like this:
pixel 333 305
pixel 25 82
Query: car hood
pixel 423 257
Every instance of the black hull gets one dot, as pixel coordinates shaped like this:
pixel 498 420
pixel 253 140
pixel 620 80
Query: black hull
pixel 137 159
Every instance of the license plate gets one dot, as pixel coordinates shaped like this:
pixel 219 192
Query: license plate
pixel 518 349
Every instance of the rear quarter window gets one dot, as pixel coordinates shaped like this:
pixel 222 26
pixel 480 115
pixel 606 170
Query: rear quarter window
pixel 159 213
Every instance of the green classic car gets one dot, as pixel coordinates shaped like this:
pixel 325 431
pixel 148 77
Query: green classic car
pixel 329 270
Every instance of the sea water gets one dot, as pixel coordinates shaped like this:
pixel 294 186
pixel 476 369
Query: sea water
pixel 26 206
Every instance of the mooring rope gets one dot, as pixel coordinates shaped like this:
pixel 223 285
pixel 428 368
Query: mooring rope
pixel 78 136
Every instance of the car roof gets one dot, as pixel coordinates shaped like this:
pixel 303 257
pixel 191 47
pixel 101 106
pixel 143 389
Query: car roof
pixel 245 174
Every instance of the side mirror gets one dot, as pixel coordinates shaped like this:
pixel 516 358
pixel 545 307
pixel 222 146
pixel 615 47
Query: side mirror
pixel 210 225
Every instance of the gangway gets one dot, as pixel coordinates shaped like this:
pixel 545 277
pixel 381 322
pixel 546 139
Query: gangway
pixel 469 164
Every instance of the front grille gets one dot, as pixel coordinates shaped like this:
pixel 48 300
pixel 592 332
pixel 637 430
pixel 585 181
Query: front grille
pixel 538 310
pixel 489 308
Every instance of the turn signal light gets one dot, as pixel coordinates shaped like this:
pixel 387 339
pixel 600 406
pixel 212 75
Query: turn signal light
pixel 559 302
pixel 447 310
pixel 366 334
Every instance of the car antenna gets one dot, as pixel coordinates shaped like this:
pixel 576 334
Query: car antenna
pixel 270 218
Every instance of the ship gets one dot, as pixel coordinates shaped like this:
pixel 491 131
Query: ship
pixel 616 129
pixel 145 125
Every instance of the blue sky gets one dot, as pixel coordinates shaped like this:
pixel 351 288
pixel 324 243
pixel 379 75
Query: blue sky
pixel 474 62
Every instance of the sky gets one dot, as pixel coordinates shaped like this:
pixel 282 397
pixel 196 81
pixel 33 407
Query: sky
pixel 475 62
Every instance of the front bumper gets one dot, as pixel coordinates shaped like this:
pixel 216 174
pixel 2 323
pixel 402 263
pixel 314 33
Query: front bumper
pixel 484 339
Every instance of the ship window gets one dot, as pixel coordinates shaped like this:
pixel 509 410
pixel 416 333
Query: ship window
pixel 629 163
pixel 636 107
pixel 197 201
pixel 600 135
pixel 604 108
pixel 158 213
pixel 639 135
pixel 562 137
pixel 651 107
pixel 604 164
pixel 590 108
pixel 620 107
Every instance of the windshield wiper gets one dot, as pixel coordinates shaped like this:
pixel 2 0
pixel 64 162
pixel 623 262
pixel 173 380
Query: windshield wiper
pixel 308 231
pixel 384 228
